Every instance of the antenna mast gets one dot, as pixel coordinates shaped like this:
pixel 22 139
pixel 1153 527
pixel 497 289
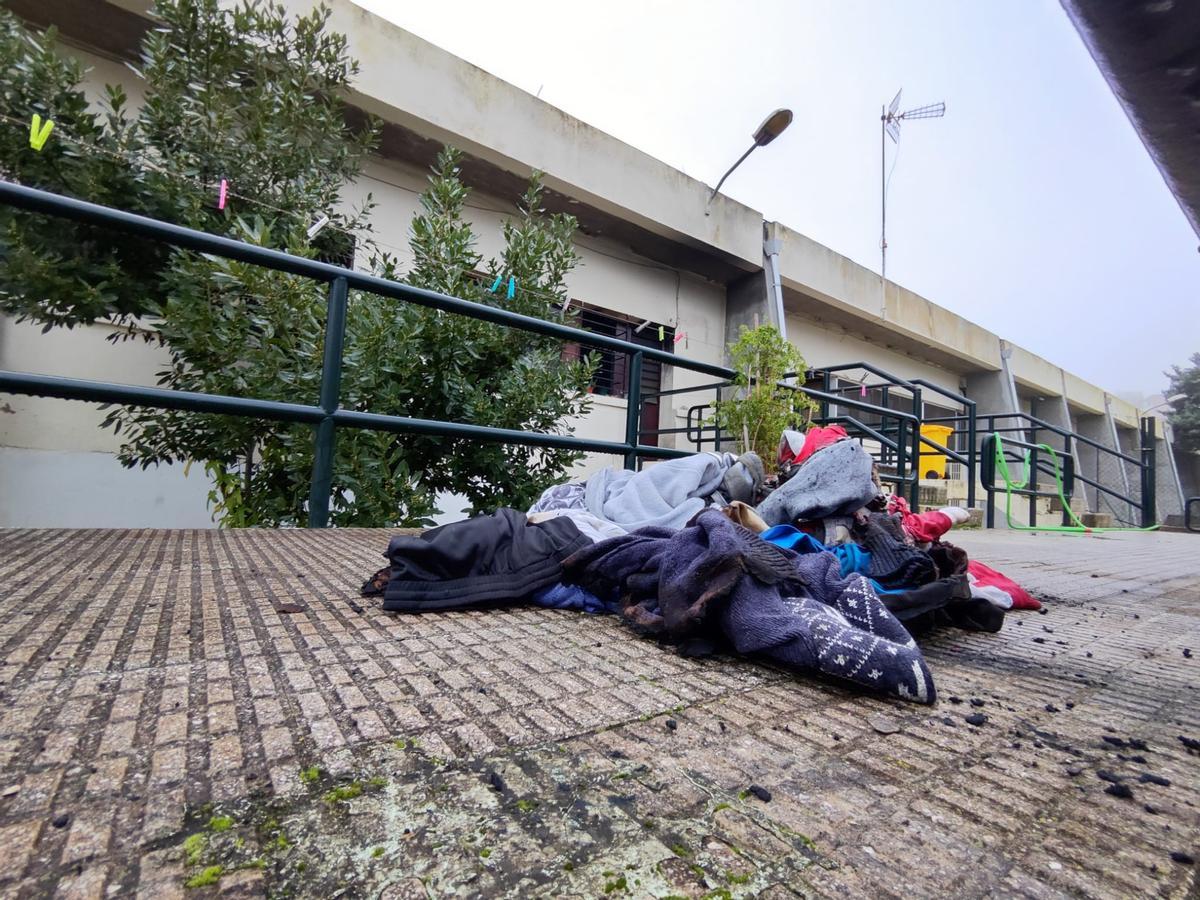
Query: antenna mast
pixel 889 125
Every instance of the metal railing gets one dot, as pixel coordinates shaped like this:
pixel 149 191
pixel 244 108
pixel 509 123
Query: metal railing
pixel 1034 464
pixel 913 394
pixel 1028 428
pixel 894 438
pixel 328 415
pixel 898 431
pixel 1188 505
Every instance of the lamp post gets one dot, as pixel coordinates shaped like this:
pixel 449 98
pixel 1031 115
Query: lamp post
pixel 1173 399
pixel 772 127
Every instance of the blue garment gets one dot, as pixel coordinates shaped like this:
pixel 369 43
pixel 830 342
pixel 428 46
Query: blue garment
pixel 851 558
pixel 571 596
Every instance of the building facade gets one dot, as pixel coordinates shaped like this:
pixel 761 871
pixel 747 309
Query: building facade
pixel 648 253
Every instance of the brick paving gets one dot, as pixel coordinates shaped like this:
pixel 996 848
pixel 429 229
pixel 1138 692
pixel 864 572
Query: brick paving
pixel 219 709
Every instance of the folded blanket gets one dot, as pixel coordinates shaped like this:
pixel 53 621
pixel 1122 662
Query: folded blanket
pixel 715 578
pixel 665 494
pixel 835 480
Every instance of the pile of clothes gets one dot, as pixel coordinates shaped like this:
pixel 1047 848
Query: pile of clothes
pixel 815 569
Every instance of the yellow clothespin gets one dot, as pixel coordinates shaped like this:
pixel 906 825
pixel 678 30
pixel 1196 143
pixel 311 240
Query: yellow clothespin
pixel 38 133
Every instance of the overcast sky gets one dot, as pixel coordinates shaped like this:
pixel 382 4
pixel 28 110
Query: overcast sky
pixel 1031 208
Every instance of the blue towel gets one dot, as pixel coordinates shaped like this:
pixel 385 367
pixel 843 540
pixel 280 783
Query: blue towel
pixel 571 596
pixel 852 558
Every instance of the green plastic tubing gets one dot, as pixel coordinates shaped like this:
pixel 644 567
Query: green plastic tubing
pixel 1011 485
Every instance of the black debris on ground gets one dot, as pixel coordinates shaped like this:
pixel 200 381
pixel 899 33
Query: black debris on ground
pixel 761 793
pixel 976 719
pixel 1119 790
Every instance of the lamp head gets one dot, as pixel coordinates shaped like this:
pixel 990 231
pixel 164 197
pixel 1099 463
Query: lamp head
pixel 772 127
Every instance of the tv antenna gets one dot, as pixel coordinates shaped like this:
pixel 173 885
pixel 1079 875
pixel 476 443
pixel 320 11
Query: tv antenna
pixel 889 125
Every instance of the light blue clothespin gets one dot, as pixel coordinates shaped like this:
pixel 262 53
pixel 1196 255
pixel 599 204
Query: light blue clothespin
pixel 496 284
pixel 512 287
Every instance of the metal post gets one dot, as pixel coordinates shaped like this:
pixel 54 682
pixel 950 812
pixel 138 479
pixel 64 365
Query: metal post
pixel 901 454
pixel 331 389
pixel 1068 464
pixel 987 473
pixel 825 387
pixel 882 213
pixel 914 500
pixel 1149 505
pixel 1031 478
pixel 883 449
pixel 972 457
pixel 633 410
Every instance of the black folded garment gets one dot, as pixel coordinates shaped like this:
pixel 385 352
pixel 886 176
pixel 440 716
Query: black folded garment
pixel 484 561
pixel 894 564
pixel 947 601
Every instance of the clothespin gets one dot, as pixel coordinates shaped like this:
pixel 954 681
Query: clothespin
pixel 496 284
pixel 680 336
pixel 862 389
pixel 662 334
pixel 638 330
pixel 316 226
pixel 566 303
pixel 38 133
pixel 221 194
pixel 512 287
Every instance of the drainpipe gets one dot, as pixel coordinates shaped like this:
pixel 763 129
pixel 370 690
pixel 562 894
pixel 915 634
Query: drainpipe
pixel 771 247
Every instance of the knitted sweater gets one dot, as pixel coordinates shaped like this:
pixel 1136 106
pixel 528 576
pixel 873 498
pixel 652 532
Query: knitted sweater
pixel 715 577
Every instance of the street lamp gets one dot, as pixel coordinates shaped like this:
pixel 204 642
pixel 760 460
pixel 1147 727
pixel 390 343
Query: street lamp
pixel 772 127
pixel 1170 400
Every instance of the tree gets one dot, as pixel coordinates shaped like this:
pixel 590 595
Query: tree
pixel 761 408
pixel 249 95
pixel 1185 414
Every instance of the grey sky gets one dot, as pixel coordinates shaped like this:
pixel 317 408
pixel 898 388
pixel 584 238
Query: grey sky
pixel 1031 208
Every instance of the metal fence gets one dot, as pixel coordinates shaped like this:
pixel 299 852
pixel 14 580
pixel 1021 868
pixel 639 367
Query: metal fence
pixel 897 431
pixel 327 415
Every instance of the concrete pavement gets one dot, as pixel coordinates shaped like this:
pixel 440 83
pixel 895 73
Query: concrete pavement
pixel 221 710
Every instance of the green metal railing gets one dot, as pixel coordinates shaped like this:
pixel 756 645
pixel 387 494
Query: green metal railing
pixel 898 431
pixel 328 415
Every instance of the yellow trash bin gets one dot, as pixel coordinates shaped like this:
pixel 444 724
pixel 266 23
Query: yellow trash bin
pixel 933 463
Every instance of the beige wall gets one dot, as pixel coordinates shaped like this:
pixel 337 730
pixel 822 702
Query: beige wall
pixel 823 344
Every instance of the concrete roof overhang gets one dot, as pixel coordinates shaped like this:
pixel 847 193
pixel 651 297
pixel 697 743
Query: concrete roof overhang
pixel 1149 52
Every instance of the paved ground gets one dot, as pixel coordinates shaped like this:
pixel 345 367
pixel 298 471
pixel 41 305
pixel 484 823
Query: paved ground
pixel 217 709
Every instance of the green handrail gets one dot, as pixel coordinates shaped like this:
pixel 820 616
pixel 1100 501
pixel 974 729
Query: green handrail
pixel 1012 485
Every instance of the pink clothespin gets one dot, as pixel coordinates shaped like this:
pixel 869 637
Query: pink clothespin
pixel 222 193
pixel 679 337
pixel 862 389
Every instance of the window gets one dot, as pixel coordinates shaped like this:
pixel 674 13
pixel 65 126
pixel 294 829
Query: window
pixel 612 373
